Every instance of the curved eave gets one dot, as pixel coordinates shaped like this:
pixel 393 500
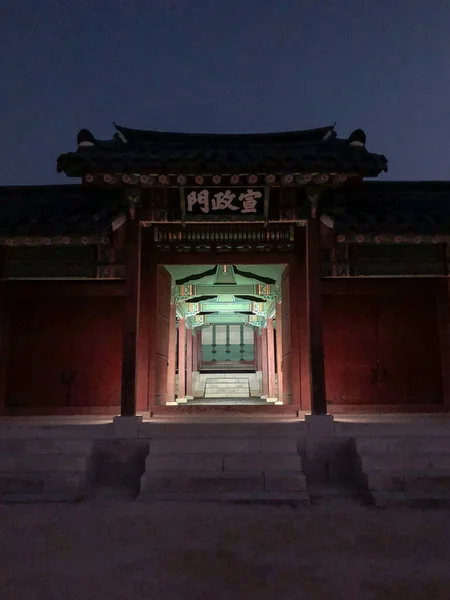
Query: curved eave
pixel 78 164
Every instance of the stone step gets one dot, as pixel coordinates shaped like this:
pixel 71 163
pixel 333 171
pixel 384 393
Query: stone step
pixel 398 470
pixel 201 482
pixel 226 379
pixel 226 388
pixel 425 481
pixel 228 463
pixel 27 463
pixel 393 462
pixel 418 500
pixel 42 483
pixel 215 395
pixel 219 430
pixel 414 445
pixel 45 446
pixel 226 384
pixel 224 445
pixel 62 432
pixel 266 498
pixel 243 482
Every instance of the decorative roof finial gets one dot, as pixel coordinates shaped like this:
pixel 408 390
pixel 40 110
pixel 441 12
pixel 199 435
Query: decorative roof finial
pixel 357 138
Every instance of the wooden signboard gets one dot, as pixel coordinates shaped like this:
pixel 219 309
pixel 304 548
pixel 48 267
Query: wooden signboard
pixel 223 204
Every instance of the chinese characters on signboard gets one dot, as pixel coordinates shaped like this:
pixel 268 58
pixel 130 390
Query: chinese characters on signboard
pixel 238 201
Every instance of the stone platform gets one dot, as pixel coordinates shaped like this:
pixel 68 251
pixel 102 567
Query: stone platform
pixel 386 459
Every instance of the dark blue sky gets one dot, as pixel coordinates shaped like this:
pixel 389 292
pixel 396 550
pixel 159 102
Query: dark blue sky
pixel 224 66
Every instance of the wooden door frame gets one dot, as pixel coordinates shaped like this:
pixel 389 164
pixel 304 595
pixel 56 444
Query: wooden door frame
pixel 290 259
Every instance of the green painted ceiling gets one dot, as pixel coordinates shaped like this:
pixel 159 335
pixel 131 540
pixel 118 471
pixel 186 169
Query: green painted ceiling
pixel 226 285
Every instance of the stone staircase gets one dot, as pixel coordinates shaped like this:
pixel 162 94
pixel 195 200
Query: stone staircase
pixel 227 386
pixel 404 471
pixel 44 469
pixel 249 466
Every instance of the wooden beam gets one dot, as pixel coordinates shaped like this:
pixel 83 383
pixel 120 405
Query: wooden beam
pixel 315 317
pixel 132 309
pixel 181 359
pixel 217 258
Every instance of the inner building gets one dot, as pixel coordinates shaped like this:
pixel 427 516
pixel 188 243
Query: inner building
pixel 228 335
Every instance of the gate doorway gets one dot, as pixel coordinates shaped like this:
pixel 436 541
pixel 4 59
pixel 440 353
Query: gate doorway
pixel 226 344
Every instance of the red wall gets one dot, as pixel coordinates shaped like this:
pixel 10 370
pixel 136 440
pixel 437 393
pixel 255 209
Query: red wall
pixel 382 343
pixel 65 349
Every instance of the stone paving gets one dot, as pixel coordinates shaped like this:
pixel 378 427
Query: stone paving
pixel 338 551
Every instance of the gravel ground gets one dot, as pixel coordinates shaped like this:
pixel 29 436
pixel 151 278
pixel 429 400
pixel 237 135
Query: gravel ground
pixel 218 552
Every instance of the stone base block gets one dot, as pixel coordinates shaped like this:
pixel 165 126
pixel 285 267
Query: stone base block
pixel 126 427
pixel 320 425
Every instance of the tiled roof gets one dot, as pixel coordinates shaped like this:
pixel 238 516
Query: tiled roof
pixel 370 208
pixel 390 207
pixel 58 210
pixel 136 151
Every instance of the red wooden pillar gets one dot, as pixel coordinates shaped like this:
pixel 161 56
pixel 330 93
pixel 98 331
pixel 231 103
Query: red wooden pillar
pixel 181 359
pixel 279 340
pixel 443 292
pixel 189 359
pixel 258 346
pixel 264 364
pixel 303 327
pixel 270 359
pixel 131 317
pixel 255 349
pixel 171 369
pixel 199 349
pixel 146 317
pixel 4 333
pixel 194 353
pixel 315 316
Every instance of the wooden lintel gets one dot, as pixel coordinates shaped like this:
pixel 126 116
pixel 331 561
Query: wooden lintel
pixel 219 258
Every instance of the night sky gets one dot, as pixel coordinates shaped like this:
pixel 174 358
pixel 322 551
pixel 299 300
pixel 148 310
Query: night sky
pixel 224 66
